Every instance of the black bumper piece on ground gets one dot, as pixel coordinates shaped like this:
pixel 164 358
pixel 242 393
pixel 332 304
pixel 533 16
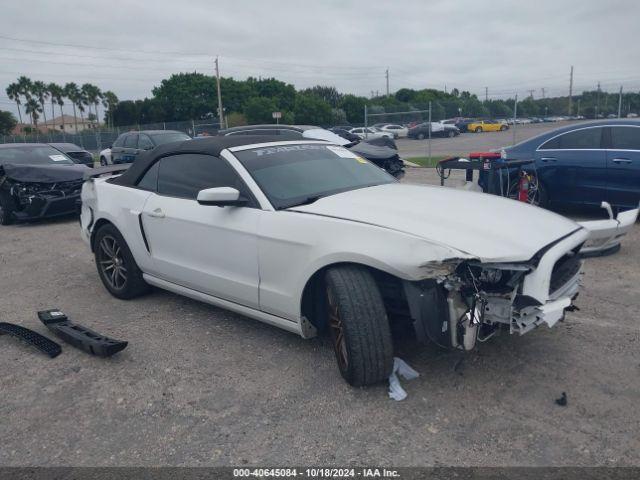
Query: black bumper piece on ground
pixel 41 342
pixel 79 336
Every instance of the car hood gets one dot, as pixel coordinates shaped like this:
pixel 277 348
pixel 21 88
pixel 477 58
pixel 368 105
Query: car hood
pixel 484 226
pixel 44 173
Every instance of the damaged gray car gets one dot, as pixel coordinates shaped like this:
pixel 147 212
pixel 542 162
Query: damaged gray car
pixel 37 181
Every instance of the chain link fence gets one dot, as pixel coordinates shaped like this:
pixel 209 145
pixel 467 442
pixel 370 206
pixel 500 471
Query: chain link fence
pixel 94 140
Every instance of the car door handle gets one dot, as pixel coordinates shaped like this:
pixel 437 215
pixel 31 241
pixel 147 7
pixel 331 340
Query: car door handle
pixel 157 213
pixel 621 160
pixel 549 159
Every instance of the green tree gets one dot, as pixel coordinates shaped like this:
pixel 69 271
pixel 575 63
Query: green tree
pixel 55 94
pixel 92 96
pixel 353 107
pixel 33 109
pixel 186 96
pixel 109 102
pixel 72 92
pixel 325 93
pixel 13 92
pixel 39 89
pixel 259 110
pixel 311 110
pixel 7 122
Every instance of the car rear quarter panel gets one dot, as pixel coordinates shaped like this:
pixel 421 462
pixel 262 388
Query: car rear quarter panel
pixel 120 206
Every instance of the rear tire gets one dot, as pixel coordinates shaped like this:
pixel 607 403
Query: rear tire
pixel 503 128
pixel 421 136
pixel 116 266
pixel 478 130
pixel 358 326
pixel 451 134
pixel 103 162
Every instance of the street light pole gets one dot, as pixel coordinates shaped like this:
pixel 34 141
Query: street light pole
pixel 220 112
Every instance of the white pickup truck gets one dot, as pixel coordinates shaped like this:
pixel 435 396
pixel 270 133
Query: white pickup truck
pixel 308 236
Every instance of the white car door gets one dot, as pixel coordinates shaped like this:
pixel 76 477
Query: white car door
pixel 210 249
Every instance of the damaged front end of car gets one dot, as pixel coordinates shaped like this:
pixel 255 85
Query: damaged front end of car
pixel 29 196
pixel 475 299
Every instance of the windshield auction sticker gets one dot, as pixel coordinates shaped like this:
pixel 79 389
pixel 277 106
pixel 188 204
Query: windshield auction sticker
pixel 58 158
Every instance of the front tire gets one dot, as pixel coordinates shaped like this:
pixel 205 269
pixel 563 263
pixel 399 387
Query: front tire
pixel 478 130
pixel 116 266
pixel 503 128
pixel 421 136
pixel 103 162
pixel 358 326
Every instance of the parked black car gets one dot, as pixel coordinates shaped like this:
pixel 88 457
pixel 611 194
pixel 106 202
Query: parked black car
pixel 37 181
pixel 421 131
pixel 76 153
pixel 460 123
pixel 129 145
pixel 352 137
pixel 383 154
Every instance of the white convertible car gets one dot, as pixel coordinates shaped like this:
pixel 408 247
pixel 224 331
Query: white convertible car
pixel 307 236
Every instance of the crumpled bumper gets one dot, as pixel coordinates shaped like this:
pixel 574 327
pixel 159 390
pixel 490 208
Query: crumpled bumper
pixel 604 235
pixel 41 206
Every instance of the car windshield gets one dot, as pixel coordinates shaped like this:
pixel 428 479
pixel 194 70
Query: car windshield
pixel 162 138
pixel 34 155
pixel 291 175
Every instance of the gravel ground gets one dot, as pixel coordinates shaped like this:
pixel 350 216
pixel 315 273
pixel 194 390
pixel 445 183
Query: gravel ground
pixel 202 386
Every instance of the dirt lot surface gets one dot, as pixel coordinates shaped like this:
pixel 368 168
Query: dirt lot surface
pixel 473 142
pixel 202 386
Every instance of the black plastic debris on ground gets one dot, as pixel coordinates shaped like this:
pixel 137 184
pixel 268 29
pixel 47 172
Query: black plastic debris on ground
pixel 562 401
pixel 32 338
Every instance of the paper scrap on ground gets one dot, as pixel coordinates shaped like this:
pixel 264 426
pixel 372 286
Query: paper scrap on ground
pixel 400 367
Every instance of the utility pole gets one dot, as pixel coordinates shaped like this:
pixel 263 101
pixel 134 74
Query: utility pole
pixel 515 116
pixel 543 89
pixel 531 93
pixel 620 103
pixel 486 94
pixel 387 75
pixel 598 100
pixel 220 112
pixel 570 89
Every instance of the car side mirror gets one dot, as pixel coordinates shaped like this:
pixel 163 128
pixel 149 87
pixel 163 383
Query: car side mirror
pixel 221 197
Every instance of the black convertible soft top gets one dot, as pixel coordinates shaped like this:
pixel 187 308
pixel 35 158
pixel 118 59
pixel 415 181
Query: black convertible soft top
pixel 204 145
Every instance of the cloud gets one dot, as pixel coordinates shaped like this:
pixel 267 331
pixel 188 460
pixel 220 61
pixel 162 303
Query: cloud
pixel 506 46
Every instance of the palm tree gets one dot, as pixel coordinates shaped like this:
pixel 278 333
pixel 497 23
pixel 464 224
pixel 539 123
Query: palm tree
pixel 56 94
pixel 13 92
pixel 109 101
pixel 92 95
pixel 82 101
pixel 72 92
pixel 25 86
pixel 32 107
pixel 39 89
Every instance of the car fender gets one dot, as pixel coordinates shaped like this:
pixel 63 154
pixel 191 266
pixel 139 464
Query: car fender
pixel 288 262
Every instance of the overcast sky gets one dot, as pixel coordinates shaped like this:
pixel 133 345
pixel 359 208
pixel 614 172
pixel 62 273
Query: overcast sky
pixel 507 46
